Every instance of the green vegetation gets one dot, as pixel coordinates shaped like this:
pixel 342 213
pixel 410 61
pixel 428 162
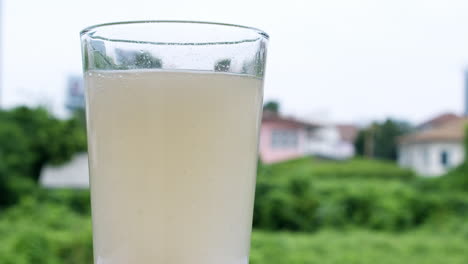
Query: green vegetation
pixel 128 59
pixel 51 233
pixel 306 210
pixel 306 195
pixel 350 216
pixel 272 106
pixel 29 139
pixel 44 232
pixel 380 140
pixel 358 247
pixel 223 65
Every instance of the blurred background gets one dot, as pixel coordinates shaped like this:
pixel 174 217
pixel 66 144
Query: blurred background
pixel 363 141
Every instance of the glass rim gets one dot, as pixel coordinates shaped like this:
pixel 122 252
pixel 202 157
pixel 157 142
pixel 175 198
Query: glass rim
pixel 97 26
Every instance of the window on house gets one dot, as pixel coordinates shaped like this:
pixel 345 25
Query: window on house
pixel 445 158
pixel 284 139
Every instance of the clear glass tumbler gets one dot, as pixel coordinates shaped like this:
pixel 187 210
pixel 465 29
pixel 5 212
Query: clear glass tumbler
pixel 173 114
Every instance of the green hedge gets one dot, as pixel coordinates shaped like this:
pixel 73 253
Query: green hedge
pixel 356 168
pixel 44 233
pixel 54 226
pixel 78 200
pixel 305 195
pixel 48 233
pixel 358 247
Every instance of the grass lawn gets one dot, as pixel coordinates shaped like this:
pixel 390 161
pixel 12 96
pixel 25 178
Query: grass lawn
pixel 358 247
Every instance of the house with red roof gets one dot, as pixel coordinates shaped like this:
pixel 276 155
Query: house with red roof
pixel 435 147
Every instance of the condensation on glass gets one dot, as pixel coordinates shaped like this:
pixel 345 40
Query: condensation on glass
pixel 175 45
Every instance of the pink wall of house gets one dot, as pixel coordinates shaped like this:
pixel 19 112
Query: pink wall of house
pixel 270 153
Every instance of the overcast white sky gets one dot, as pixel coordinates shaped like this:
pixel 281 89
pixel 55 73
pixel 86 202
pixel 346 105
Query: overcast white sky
pixel 347 60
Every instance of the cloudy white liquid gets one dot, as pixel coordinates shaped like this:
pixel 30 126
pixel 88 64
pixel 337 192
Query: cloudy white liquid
pixel 173 160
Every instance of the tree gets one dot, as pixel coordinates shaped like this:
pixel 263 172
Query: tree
pixel 380 140
pixel 223 65
pixel 29 139
pixel 15 160
pixel 127 59
pixel 146 60
pixel 46 138
pixel 272 106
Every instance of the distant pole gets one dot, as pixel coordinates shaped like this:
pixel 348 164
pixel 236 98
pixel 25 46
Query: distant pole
pixel 465 113
pixel 1 54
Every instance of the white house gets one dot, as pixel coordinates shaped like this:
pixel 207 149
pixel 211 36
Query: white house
pixel 283 138
pixel 73 174
pixel 435 147
pixel 332 141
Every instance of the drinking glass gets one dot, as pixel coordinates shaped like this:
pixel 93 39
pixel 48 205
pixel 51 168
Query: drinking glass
pixel 173 115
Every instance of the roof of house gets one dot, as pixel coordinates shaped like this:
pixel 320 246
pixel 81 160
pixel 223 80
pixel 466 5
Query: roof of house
pixel 453 130
pixel 347 132
pixel 439 120
pixel 270 116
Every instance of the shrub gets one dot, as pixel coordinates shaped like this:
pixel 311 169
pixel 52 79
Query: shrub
pixel 77 200
pixel 44 233
pixel 307 195
pixel 29 139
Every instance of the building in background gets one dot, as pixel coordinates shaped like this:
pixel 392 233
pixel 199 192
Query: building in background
pixel 284 138
pixel 332 141
pixel 437 121
pixel 75 93
pixel 438 144
pixel 435 147
pixel 73 174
